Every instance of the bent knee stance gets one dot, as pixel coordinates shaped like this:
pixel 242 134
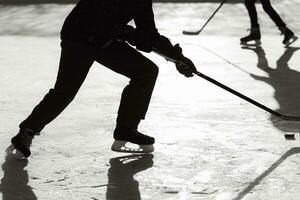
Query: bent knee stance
pixel 148 73
pixel 152 71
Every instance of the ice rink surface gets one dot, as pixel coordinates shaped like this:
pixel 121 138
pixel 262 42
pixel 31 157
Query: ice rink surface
pixel 210 144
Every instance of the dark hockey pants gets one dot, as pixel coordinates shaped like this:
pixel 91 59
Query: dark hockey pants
pixel 250 5
pixel 75 63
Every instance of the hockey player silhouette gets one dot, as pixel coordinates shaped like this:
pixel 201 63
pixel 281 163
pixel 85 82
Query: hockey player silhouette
pixel 98 31
pixel 289 36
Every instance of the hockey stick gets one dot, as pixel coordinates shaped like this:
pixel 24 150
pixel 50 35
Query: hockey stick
pixel 279 115
pixel 198 32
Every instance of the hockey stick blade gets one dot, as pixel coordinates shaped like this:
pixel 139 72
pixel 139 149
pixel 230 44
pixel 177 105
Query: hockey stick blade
pixel 198 32
pixel 228 89
pixel 191 32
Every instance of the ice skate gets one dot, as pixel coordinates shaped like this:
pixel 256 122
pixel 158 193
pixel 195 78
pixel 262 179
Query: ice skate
pixel 289 36
pixel 253 36
pixel 22 142
pixel 132 141
pixel 14 153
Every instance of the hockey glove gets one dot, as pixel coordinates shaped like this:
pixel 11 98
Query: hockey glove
pixel 127 34
pixel 186 67
pixel 174 54
pixel 135 37
pixel 183 64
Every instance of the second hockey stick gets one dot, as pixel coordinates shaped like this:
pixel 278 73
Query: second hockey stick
pixel 198 32
pixel 279 115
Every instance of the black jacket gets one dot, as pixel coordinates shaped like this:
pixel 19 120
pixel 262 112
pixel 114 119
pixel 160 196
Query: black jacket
pixel 99 21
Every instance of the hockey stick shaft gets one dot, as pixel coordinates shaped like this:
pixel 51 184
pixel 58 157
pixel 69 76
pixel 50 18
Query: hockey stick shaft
pixel 198 32
pixel 279 115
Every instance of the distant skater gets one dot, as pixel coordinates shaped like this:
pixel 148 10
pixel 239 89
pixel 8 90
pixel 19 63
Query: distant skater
pixel 289 36
pixel 98 30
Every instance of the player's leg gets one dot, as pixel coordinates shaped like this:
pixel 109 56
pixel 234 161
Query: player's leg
pixel 254 30
pixel 250 5
pixel 289 36
pixel 75 63
pixel 142 72
pixel 266 4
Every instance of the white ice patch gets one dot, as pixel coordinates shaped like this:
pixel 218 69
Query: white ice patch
pixel 224 196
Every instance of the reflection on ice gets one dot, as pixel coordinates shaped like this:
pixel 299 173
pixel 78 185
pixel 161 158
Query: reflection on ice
pixel 121 182
pixel 14 184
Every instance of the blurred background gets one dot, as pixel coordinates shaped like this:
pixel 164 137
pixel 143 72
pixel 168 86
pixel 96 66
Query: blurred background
pixel 74 1
pixel 45 17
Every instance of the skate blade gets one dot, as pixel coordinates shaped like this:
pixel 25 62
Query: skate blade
pixel 250 43
pixel 291 41
pixel 127 147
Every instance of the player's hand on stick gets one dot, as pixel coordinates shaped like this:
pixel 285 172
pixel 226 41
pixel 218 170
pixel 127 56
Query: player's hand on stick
pixel 183 64
pixel 186 67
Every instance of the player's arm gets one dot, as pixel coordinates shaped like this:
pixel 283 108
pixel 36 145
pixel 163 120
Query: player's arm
pixel 161 45
pixel 145 37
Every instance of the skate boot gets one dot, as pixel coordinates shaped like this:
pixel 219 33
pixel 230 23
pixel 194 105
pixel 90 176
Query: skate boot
pixel 253 36
pixel 22 141
pixel 289 36
pixel 132 141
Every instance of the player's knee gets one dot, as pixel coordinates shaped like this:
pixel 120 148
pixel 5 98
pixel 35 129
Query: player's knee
pixel 152 71
pixel 155 71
